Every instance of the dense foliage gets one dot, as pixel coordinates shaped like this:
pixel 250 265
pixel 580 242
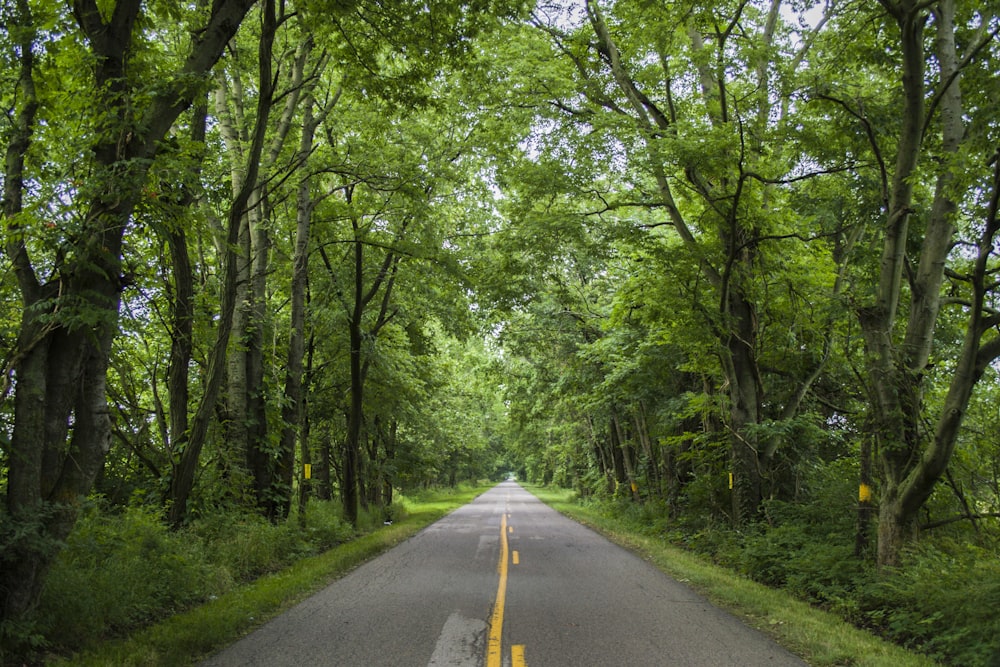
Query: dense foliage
pixel 727 267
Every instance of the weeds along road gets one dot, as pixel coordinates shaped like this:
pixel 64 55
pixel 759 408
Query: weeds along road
pixel 506 581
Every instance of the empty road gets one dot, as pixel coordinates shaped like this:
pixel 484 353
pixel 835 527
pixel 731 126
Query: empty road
pixel 506 581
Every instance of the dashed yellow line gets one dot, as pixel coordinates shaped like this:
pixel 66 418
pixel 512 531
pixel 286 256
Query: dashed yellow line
pixel 494 649
pixel 517 656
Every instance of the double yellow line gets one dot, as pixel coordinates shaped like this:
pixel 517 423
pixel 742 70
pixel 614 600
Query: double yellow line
pixel 494 648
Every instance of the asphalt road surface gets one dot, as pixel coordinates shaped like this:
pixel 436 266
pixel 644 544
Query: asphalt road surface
pixel 506 582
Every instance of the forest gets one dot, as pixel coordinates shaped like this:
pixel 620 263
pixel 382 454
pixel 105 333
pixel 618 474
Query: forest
pixel 731 269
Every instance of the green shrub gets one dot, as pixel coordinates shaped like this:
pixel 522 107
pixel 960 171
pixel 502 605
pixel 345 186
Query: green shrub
pixel 820 569
pixel 720 543
pixel 118 572
pixel 248 545
pixel 943 600
pixel 807 545
pixel 767 553
pixel 829 575
pixel 325 525
pixel 23 636
pixel 375 517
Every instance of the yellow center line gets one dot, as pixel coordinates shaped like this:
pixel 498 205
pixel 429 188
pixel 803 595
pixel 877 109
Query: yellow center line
pixel 494 649
pixel 517 656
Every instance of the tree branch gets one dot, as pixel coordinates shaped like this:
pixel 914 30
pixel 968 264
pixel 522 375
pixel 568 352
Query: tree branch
pixel 961 517
pixel 872 141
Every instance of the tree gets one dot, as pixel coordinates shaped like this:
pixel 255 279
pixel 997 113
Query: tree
pixel 933 142
pixel 388 222
pixel 187 452
pixel 692 107
pixel 294 414
pixel 70 287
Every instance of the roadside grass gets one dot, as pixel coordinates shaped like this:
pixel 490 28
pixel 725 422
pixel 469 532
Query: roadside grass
pixel 821 638
pixel 184 638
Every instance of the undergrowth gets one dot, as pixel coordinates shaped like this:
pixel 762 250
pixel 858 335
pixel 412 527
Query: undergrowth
pixel 121 571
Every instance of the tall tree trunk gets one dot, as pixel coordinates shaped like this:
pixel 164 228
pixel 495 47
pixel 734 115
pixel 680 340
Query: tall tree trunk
pixel 737 337
pixel 894 387
pixel 602 456
pixel 23 564
pixel 352 447
pixel 323 476
pixel 181 335
pixel 186 461
pixel 246 403
pixel 264 464
pixel 305 455
pixel 304 437
pixel 652 459
pixel 390 456
pixel 621 440
pixel 235 136
pixel 617 456
pixel 188 445
pixel 740 365
pixel 866 508
pixel 385 278
pixel 293 410
pixel 182 308
pixel 372 481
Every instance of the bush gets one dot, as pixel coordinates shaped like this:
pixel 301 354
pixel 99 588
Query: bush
pixel 816 567
pixel 248 545
pixel 325 525
pixel 943 601
pixel 718 542
pixel 767 553
pixel 22 636
pixel 119 572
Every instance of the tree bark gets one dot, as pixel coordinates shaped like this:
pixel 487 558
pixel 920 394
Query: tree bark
pixel 652 459
pixel 293 410
pixel 740 366
pixel 602 456
pixel 232 126
pixel 246 420
pixel 262 458
pixel 323 476
pixel 181 311
pixel 628 456
pixel 352 448
pixel 360 299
